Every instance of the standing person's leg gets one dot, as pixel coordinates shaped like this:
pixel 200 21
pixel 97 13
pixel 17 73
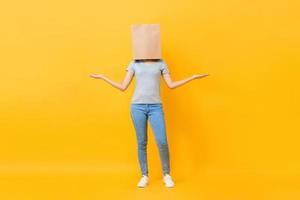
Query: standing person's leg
pixel 139 118
pixel 157 120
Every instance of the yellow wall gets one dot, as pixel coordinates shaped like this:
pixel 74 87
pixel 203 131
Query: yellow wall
pixel 244 116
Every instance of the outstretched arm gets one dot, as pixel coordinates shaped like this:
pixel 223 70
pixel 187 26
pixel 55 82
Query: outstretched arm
pixel 121 86
pixel 174 84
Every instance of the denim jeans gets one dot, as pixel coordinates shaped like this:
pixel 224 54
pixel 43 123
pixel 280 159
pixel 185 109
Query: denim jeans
pixel 140 113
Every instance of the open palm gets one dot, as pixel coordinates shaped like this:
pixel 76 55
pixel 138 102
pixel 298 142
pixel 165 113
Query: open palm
pixel 96 76
pixel 196 76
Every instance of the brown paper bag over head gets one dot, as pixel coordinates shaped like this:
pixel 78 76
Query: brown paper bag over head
pixel 146 41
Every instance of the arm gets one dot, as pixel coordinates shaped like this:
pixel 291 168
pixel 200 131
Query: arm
pixel 121 86
pixel 174 84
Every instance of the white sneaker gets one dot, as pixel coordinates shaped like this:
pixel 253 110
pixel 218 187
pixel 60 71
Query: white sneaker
pixel 143 181
pixel 168 181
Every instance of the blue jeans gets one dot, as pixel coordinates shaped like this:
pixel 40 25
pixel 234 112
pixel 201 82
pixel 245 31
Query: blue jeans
pixel 140 113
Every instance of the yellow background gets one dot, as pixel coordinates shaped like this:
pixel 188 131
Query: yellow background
pixel 232 135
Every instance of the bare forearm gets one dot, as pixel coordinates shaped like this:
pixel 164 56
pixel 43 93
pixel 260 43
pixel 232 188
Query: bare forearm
pixel 176 84
pixel 115 84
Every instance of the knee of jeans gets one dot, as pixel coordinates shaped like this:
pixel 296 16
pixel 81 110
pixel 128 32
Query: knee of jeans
pixel 142 145
pixel 162 144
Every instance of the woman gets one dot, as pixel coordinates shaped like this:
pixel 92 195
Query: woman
pixel 146 104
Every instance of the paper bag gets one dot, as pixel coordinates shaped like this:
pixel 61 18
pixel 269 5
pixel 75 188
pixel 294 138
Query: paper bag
pixel 146 41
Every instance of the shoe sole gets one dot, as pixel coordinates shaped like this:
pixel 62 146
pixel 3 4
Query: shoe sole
pixel 140 186
pixel 171 186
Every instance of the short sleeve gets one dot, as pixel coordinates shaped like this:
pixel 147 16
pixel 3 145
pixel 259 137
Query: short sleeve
pixel 164 68
pixel 130 67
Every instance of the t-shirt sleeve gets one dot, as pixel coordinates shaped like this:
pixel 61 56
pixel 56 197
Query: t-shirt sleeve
pixel 130 67
pixel 164 68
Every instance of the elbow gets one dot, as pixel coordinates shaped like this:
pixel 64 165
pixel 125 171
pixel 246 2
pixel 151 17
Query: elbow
pixel 123 88
pixel 171 86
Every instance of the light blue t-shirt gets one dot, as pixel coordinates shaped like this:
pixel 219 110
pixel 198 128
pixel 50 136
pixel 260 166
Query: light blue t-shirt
pixel 147 88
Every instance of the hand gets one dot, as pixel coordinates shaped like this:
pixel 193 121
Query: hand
pixel 100 76
pixel 196 76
